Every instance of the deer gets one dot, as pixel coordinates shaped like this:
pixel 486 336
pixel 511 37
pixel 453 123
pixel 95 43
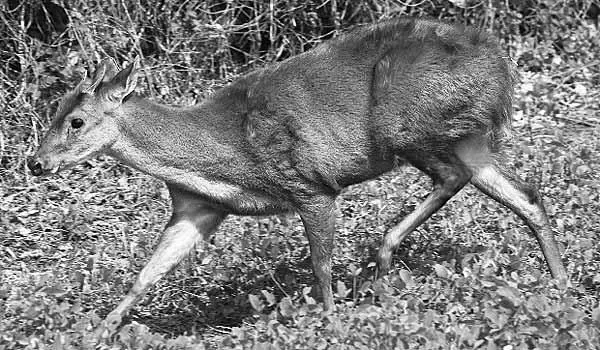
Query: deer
pixel 290 136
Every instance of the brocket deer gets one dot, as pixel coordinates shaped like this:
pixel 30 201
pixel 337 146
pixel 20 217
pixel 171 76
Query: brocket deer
pixel 289 137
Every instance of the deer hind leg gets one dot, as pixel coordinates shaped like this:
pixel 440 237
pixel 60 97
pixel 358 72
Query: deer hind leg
pixel 503 185
pixel 191 220
pixel 449 176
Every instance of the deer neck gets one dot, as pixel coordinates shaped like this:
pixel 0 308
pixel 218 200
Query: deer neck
pixel 189 147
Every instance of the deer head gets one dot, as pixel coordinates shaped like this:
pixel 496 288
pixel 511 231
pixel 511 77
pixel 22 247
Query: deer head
pixel 86 119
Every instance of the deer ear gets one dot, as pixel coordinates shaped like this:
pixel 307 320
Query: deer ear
pixel 104 72
pixel 111 68
pixel 125 81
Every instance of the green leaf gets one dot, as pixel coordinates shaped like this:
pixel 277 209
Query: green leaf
pixel 441 271
pixel 342 291
pixel 286 308
pixel 269 296
pixel 256 303
pixel 406 277
pixel 511 294
pixel 596 316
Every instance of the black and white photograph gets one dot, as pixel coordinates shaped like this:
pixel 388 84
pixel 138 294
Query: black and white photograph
pixel 322 174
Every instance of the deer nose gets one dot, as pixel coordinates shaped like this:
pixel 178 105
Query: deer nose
pixel 35 166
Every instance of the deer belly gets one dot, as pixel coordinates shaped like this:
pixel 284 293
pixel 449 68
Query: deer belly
pixel 232 198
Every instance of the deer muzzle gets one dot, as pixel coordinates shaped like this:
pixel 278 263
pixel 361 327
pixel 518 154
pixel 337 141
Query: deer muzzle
pixel 35 166
pixel 39 167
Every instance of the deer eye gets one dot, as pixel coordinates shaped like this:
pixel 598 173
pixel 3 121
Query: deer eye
pixel 76 123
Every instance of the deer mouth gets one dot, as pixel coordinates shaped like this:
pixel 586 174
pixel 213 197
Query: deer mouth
pixel 55 169
pixel 39 168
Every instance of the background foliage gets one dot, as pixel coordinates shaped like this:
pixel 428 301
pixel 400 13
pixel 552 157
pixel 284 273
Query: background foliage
pixel 471 277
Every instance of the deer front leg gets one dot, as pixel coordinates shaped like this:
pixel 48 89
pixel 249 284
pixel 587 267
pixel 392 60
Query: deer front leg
pixel 191 220
pixel 319 222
